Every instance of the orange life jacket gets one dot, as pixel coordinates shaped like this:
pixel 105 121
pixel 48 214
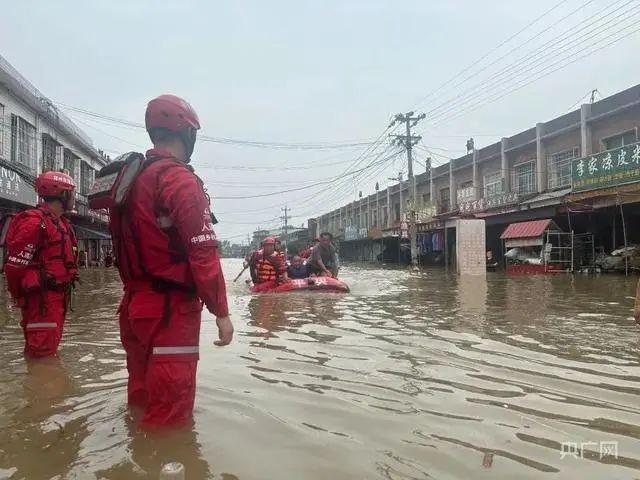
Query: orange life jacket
pixel 267 268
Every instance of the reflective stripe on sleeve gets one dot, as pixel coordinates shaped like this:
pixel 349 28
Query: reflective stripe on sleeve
pixel 175 350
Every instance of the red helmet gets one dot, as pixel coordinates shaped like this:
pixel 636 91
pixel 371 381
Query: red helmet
pixel 168 112
pixel 269 241
pixel 55 184
pixel 172 113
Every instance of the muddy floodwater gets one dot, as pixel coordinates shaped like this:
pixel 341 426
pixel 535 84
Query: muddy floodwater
pixel 411 376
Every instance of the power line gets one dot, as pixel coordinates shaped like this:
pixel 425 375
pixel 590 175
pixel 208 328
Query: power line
pixel 347 183
pixel 475 74
pixel 503 93
pixel 231 141
pixel 336 189
pixel 530 24
pixel 261 195
pixel 330 197
pixel 579 101
pixel 518 67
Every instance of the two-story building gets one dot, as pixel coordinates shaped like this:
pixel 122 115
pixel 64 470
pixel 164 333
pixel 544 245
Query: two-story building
pixel 551 170
pixel 35 136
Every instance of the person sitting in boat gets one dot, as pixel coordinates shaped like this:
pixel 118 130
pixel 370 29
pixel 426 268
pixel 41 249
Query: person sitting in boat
pixel 280 252
pixel 266 266
pixel 324 257
pixel 306 253
pixel 297 269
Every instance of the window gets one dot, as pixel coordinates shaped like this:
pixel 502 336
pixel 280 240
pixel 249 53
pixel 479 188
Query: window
pixel 524 178
pixel 445 200
pixel 465 192
pixel 86 177
pixel 23 142
pixel 397 211
pixel 69 162
pixel 620 140
pixel 492 184
pixel 385 214
pixel 49 146
pixel 559 168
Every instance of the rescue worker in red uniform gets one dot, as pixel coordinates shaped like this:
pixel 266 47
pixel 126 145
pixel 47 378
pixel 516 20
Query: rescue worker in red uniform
pixel 167 255
pixel 267 267
pixel 41 263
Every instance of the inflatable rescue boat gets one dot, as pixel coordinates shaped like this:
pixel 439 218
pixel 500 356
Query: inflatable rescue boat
pixel 319 284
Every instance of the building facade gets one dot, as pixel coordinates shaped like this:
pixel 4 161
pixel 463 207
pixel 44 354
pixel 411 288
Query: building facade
pixel 36 137
pixel 565 169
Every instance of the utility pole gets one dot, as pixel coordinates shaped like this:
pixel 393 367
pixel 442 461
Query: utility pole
pixel 408 141
pixel 286 211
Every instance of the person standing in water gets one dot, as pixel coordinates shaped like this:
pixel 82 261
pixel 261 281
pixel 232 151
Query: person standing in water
pixel 41 266
pixel 167 256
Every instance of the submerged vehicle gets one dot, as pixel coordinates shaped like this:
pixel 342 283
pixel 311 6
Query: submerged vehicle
pixel 318 284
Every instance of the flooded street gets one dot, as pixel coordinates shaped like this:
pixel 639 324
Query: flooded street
pixel 411 376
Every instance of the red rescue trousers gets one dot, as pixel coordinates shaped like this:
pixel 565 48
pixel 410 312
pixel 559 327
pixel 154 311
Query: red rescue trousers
pixel 42 324
pixel 160 333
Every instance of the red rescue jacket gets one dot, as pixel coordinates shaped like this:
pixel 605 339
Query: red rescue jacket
pixel 164 232
pixel 41 252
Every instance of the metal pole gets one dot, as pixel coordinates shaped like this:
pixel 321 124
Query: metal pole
pixel 572 249
pixel 624 233
pixel 412 197
pixel 613 246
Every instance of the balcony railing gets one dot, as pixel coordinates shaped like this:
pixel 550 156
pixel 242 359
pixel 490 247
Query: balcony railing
pixel 466 194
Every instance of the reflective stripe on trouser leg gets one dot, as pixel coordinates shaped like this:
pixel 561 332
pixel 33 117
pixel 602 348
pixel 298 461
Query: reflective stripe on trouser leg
pixel 175 350
pixel 41 325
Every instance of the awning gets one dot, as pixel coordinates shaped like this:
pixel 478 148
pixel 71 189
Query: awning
pixel 532 229
pixel 546 199
pixel 88 234
pixel 616 191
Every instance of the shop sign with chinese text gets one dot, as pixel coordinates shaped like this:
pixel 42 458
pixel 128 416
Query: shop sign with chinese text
pixel 354 233
pixel 495 201
pixel 607 169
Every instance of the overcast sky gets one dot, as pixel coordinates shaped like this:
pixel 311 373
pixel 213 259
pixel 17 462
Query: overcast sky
pixel 330 71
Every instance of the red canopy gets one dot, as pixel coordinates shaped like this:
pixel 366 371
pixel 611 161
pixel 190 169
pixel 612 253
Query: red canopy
pixel 532 229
